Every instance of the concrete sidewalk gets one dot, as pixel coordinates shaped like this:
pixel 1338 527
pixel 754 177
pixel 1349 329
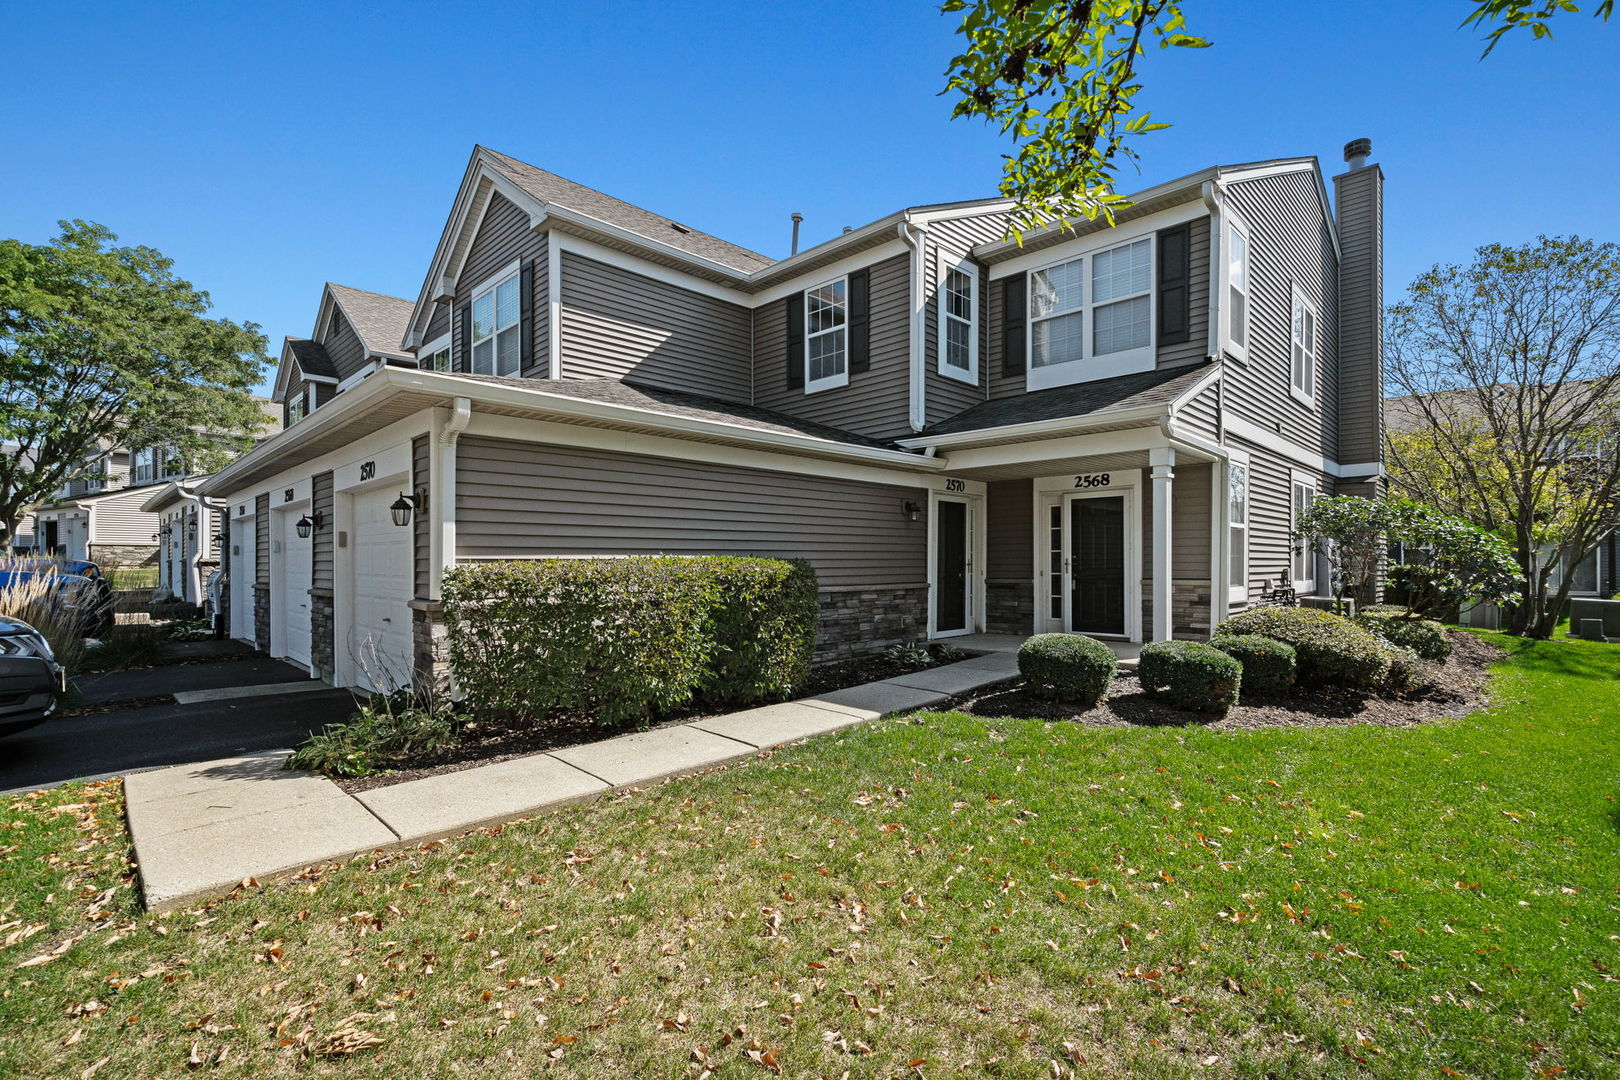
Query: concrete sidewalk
pixel 200 829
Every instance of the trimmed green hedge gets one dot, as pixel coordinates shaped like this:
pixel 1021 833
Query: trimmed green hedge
pixel 626 639
pixel 1406 671
pixel 1067 667
pixel 1190 675
pixel 1395 625
pixel 1329 648
pixel 1269 666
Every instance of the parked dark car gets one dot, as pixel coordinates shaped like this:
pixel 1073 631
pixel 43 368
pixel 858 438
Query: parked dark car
pixel 73 594
pixel 30 677
pixel 82 568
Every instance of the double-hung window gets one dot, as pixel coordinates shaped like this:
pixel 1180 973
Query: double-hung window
pixel 1237 496
pixel 298 407
pixel 1097 308
pixel 1303 495
pixel 435 356
pixel 958 322
pixel 1302 349
pixel 1237 289
pixel 497 348
pixel 826 336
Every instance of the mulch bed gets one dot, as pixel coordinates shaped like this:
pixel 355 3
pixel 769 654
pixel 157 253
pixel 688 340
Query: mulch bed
pixel 1458 690
pixel 489 743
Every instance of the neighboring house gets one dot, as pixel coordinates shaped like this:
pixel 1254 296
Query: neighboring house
pixel 356 333
pixel 1106 430
pixel 104 518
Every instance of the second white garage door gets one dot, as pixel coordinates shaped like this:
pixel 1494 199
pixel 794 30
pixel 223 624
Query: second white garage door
pixel 381 642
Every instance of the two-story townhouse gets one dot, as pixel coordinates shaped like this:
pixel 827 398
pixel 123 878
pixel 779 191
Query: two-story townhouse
pixel 356 332
pixel 1104 429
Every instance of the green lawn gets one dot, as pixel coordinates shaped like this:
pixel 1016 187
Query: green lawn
pixel 927 897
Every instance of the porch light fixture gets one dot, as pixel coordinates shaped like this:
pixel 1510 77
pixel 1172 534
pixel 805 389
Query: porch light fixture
pixel 403 507
pixel 308 524
pixel 912 510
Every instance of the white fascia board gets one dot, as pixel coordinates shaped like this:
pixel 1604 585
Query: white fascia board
pixel 832 271
pixel 630 236
pixel 590 249
pixel 1003 248
pixel 1149 437
pixel 1281 168
pixel 1285 447
pixel 1084 243
pixel 1037 429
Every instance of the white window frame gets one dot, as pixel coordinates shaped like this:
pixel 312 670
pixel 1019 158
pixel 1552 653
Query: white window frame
pixel 1091 366
pixel 947 264
pixel 442 344
pixel 1297 309
pixel 1233 226
pixel 838 378
pixel 1238 586
pixel 487 287
pixel 1305 585
pixel 298 408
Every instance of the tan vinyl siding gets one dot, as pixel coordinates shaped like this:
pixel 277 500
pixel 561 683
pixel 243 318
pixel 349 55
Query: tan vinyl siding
pixel 876 403
pixel 1361 300
pixel 1010 534
pixel 1196 347
pixel 945 396
pixel 322 541
pixel 618 324
pixel 343 345
pixel 422 522
pixel 261 539
pixel 120 519
pixel 522 499
pixel 1289 242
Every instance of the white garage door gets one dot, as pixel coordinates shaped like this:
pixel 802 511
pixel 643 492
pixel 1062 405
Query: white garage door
pixel 381 645
pixel 297 575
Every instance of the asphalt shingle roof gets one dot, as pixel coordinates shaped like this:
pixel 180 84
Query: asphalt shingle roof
pixel 379 320
pixel 551 188
pixel 312 358
pixel 1081 399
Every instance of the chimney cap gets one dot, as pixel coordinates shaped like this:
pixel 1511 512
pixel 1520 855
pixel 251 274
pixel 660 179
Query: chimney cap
pixel 1357 149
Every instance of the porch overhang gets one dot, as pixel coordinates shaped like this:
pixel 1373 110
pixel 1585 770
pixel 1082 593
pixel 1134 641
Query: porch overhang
pixel 1108 449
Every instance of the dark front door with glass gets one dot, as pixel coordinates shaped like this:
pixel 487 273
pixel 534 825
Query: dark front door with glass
pixel 1097 565
pixel 951 567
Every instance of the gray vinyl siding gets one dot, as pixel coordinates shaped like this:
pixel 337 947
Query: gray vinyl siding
pixel 321 542
pixel 943 395
pixel 617 324
pixel 1189 524
pixel 421 523
pixel 504 237
pixel 1201 415
pixel 438 323
pixel 876 403
pixel 261 539
pixel 962 234
pixel 1361 300
pixel 1271 516
pixel 522 499
pixel 1195 348
pixel 120 519
pixel 540 304
pixel 1289 242
pixel 343 345
pixel 1009 543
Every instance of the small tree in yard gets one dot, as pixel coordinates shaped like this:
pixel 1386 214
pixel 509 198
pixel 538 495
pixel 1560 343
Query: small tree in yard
pixel 1450 563
pixel 103 345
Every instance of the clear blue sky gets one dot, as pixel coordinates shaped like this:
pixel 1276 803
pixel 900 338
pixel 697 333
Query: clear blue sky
pixel 268 148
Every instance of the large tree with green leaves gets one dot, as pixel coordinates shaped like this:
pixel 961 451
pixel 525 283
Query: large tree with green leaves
pixel 1060 78
pixel 1509 414
pixel 103 345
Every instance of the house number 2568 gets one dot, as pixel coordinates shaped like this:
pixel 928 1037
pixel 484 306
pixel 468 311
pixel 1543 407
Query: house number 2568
pixel 1092 480
pixel 368 469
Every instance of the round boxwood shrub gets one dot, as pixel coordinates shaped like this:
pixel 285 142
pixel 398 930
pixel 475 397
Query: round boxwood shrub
pixel 1269 666
pixel 1067 667
pixel 1425 637
pixel 1190 675
pixel 1329 648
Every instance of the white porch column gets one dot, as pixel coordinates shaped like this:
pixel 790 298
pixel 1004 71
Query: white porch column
pixel 1163 460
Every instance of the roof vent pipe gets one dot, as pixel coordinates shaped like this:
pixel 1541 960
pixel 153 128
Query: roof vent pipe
pixel 848 230
pixel 1356 153
pixel 797 217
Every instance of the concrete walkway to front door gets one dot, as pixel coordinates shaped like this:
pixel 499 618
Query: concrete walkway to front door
pixel 1129 652
pixel 201 829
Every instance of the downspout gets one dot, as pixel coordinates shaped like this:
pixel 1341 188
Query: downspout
pixel 442 495
pixel 222 518
pixel 914 237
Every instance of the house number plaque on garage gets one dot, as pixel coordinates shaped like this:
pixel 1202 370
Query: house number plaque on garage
pixel 1093 480
pixel 368 470
pixel 287 496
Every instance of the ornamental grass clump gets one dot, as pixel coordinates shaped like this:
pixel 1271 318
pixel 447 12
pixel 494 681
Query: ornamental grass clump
pixel 1190 675
pixel 1067 667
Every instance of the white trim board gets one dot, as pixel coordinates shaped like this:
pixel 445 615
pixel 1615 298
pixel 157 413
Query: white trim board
pixel 1270 440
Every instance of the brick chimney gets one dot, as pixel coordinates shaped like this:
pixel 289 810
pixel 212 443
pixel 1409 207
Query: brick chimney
pixel 1359 209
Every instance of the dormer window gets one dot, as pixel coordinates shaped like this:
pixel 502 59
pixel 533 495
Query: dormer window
pixel 958 322
pixel 826 336
pixel 435 356
pixel 497 347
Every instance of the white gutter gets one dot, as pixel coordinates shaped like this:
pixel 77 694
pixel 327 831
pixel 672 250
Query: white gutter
pixel 1036 429
pixel 914 239
pixel 442 493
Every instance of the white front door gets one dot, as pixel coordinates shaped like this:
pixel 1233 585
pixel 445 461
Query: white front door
pixel 380 633
pixel 290 588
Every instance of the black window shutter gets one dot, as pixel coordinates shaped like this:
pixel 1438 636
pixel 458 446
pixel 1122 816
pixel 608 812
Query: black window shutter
pixel 860 321
pixel 795 341
pixel 463 360
pixel 1014 312
pixel 526 323
pixel 1175 285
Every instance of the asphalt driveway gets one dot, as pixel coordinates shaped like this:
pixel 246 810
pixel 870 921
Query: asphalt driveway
pixel 125 739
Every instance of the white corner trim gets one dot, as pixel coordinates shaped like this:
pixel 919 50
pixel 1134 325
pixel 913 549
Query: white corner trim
pixel 1271 440
pixel 554 305
pixel 916 240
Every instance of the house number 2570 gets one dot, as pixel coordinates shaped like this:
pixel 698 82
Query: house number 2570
pixel 953 484
pixel 1092 480
pixel 368 469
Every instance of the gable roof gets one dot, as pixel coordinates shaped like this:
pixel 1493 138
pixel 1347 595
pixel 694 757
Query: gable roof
pixel 378 319
pixel 312 358
pixel 555 190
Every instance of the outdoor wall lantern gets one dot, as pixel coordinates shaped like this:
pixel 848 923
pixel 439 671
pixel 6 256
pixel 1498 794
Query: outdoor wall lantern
pixel 406 505
pixel 307 524
pixel 913 511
